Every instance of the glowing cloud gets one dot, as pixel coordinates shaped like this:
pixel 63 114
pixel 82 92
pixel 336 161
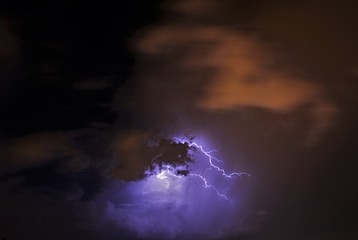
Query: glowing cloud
pixel 178 200
pixel 169 173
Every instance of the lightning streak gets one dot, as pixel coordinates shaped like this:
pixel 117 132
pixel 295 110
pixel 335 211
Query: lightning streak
pixel 206 185
pixel 211 158
pixel 170 171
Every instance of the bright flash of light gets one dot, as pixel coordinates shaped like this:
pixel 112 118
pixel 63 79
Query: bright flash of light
pixel 178 200
pixel 169 173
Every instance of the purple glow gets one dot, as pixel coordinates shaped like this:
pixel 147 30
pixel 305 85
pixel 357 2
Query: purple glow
pixel 178 201
pixel 171 171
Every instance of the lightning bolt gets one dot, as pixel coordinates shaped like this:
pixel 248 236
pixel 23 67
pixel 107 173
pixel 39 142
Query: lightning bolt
pixel 206 185
pixel 211 158
pixel 167 170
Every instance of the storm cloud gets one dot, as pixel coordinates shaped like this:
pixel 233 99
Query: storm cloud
pixel 267 87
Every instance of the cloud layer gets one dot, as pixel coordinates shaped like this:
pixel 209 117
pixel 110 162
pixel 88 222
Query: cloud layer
pixel 216 67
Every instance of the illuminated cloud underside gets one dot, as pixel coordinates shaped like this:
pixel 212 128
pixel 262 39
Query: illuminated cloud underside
pixel 181 201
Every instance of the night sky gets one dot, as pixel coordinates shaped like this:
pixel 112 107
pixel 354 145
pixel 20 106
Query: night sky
pixel 97 96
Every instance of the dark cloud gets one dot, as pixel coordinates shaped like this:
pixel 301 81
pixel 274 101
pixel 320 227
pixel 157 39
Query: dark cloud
pixel 39 149
pixel 137 152
pixel 32 216
pixel 269 84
